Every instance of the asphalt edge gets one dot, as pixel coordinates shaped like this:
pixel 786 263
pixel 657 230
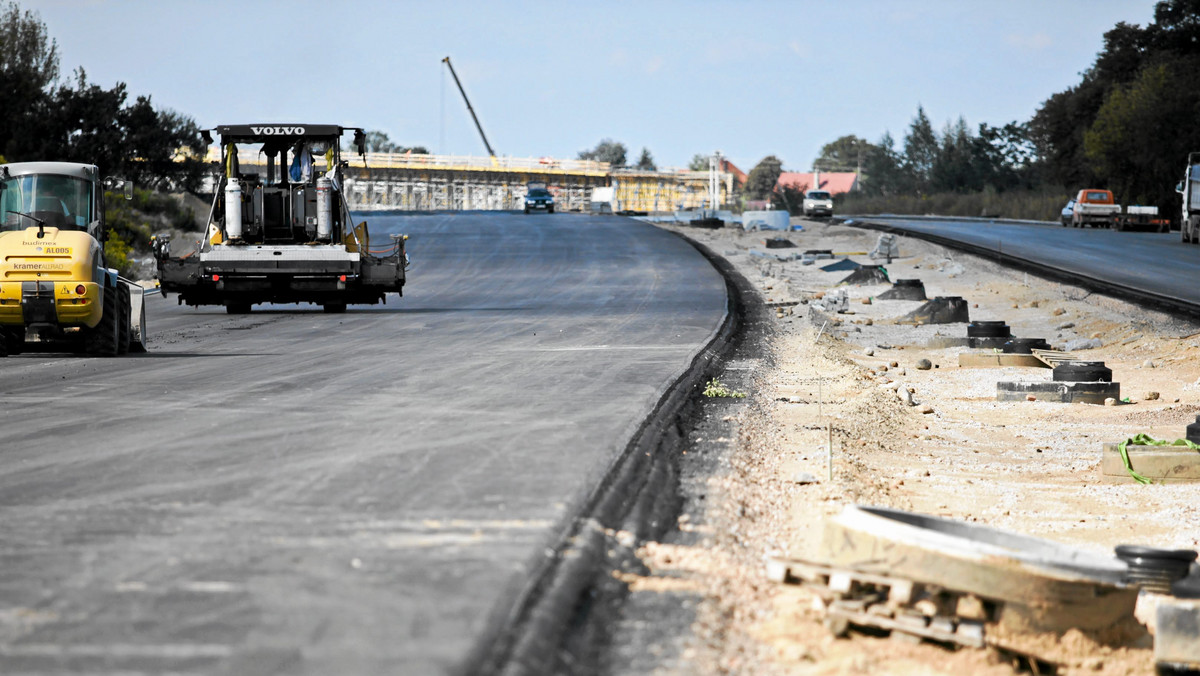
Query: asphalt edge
pixel 639 494
pixel 1169 304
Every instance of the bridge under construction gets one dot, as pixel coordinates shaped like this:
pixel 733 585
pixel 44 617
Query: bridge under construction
pixel 419 182
pixel 404 182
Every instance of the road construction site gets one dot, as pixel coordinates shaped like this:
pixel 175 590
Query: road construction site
pixel 580 444
pixel 912 430
pixel 377 491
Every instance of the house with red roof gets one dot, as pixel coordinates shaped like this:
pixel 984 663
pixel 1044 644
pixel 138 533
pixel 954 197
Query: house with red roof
pixel 835 182
pixel 738 174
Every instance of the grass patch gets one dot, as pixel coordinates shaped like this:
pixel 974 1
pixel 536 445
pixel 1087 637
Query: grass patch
pixel 716 388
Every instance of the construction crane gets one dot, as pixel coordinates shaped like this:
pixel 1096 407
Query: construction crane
pixel 471 110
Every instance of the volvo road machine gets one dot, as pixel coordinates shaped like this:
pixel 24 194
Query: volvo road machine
pixel 280 229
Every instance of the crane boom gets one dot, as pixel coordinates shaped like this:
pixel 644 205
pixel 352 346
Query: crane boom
pixel 471 110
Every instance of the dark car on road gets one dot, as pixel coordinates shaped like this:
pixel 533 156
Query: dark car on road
pixel 539 198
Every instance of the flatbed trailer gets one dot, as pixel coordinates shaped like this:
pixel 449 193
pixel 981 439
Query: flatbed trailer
pixel 1141 218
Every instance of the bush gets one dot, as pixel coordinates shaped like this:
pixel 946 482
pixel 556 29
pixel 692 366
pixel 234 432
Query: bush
pixel 1036 205
pixel 116 254
pixel 134 221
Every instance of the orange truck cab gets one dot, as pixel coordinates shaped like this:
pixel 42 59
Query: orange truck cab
pixel 1095 207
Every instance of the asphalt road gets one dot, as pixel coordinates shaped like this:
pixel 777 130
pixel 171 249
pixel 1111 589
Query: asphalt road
pixel 301 493
pixel 1155 263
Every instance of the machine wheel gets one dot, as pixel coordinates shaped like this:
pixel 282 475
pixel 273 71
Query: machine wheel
pixel 334 308
pixel 549 210
pixel 102 340
pixel 137 342
pixel 125 319
pixel 526 210
pixel 13 342
pixel 237 308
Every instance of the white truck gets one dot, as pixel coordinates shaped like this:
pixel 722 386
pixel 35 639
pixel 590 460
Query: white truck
pixel 1189 187
pixel 818 203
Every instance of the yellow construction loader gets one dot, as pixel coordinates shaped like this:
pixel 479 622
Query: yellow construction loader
pixel 55 290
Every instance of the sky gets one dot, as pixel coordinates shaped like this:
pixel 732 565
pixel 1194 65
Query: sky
pixel 749 78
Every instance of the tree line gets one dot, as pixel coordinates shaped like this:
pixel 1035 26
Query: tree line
pixel 75 120
pixel 614 152
pixel 1128 126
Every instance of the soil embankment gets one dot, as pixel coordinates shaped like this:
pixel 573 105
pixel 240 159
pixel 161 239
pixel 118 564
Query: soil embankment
pixel 755 474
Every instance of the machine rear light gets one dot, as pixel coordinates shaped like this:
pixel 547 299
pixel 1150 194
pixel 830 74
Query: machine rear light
pixel 216 278
pixel 81 289
pixel 342 278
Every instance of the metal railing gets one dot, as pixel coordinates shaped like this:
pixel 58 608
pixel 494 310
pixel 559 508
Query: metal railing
pixel 447 162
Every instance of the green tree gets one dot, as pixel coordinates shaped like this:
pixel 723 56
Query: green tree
pixel 761 180
pixel 84 122
pixel 883 170
pixel 26 51
pixel 646 161
pixel 789 199
pixel 167 146
pixel 920 150
pixel 607 150
pixel 28 68
pixel 846 152
pixel 378 142
pixel 699 162
pixel 1059 125
pixel 1136 144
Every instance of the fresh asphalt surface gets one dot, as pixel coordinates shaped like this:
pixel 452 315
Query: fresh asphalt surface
pixel 1157 263
pixel 300 493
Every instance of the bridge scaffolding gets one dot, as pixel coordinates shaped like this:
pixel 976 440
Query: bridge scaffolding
pixel 415 182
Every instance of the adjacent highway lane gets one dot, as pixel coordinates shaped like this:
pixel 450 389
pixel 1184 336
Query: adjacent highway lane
pixel 1157 264
pixel 295 492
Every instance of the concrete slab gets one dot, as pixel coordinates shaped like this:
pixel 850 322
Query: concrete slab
pixel 1177 637
pixel 942 342
pixel 1041 585
pixel 1066 393
pixel 983 360
pixel 988 343
pixel 1170 464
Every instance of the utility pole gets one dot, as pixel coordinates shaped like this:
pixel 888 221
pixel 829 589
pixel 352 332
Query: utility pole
pixel 714 180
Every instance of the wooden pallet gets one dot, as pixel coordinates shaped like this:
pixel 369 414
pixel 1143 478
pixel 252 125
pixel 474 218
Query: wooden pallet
pixel 1053 358
pixel 899 606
